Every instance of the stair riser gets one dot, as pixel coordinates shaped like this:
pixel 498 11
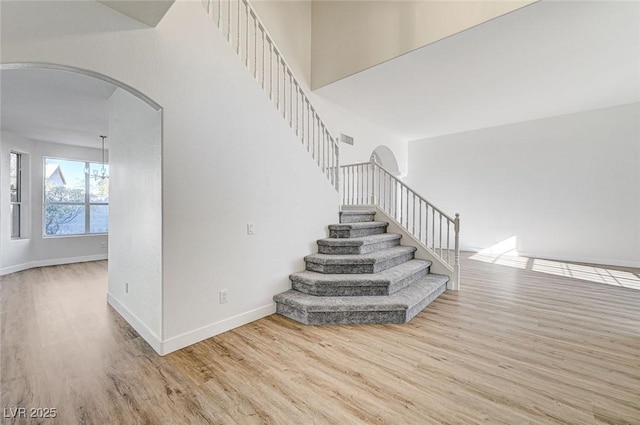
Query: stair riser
pixel 355 233
pixel 362 249
pixel 340 291
pixel 356 218
pixel 403 283
pixel 341 317
pixel 359 268
pixel 413 311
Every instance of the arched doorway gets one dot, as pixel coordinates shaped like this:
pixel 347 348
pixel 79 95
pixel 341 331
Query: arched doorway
pixel 134 142
pixel 40 65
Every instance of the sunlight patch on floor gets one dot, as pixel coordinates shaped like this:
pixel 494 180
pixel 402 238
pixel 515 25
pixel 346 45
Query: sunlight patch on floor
pixel 505 254
pixel 590 273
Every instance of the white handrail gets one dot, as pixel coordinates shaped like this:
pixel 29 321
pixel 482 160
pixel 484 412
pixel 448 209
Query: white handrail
pixel 248 36
pixel 368 183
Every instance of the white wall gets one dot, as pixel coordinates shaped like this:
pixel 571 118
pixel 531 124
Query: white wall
pixel 231 161
pixel 568 187
pixel 228 160
pixel 351 36
pixel 34 250
pixel 135 218
pixel 367 136
pixel 290 25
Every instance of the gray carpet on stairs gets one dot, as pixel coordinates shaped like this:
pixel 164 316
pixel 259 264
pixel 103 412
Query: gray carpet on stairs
pixel 360 275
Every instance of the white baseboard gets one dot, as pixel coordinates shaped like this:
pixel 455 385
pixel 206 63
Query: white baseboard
pixel 188 338
pixel 147 334
pixel 51 262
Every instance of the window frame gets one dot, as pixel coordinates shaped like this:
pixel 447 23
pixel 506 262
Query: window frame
pixel 87 203
pixel 15 206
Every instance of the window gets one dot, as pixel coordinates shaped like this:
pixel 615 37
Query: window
pixel 15 182
pixel 76 197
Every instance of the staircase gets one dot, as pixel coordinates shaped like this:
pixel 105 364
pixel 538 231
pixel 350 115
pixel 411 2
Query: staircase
pixel 361 274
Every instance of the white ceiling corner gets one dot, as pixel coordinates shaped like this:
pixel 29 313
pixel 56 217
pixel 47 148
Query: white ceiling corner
pixel 549 58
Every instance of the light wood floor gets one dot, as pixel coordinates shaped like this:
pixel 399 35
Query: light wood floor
pixel 513 347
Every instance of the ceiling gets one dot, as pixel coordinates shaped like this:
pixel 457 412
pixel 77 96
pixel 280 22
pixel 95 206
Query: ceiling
pixel 46 18
pixel 62 106
pixel 549 58
pixel 148 12
pixel 54 106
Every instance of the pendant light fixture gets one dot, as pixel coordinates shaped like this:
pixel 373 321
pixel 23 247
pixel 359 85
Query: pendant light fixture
pixel 103 172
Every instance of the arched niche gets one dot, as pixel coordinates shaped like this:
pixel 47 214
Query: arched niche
pixel 384 157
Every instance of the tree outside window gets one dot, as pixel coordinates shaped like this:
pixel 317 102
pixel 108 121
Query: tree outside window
pixel 75 202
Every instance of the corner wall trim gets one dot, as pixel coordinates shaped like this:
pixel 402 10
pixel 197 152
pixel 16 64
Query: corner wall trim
pixel 52 262
pixel 188 338
pixel 147 334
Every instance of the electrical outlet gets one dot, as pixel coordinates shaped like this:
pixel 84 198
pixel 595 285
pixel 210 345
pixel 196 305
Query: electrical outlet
pixel 251 229
pixel 104 244
pixel 126 288
pixel 223 296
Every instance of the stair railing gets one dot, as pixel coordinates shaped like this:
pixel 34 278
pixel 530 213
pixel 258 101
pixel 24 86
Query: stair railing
pixel 248 36
pixel 369 184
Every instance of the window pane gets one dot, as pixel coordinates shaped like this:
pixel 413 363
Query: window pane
pixel 15 220
pixel 68 209
pixel 99 187
pixel 64 180
pixel 64 219
pixel 14 162
pixel 99 218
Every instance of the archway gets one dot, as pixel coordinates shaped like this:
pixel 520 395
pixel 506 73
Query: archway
pixel 42 65
pixel 384 157
pixel 134 235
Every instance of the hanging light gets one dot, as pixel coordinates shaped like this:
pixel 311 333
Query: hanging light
pixel 103 172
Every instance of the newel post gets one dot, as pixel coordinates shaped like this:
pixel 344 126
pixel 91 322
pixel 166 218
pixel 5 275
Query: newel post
pixel 456 265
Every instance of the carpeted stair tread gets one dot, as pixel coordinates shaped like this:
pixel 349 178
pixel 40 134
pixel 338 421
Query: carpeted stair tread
pixel 382 278
pixel 372 262
pixel 359 241
pixel 375 284
pixel 358 245
pixel 357 229
pixel 371 258
pixel 396 308
pixel 358 212
pixel 360 225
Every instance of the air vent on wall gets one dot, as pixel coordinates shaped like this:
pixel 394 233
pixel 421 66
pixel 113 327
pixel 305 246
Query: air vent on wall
pixel 346 139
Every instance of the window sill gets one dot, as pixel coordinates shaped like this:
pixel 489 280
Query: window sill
pixel 21 238
pixel 84 235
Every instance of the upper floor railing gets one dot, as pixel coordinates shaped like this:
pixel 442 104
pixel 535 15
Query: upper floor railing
pixel 247 35
pixel 370 184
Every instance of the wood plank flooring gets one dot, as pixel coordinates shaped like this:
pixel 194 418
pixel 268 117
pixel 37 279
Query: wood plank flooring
pixel 515 346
